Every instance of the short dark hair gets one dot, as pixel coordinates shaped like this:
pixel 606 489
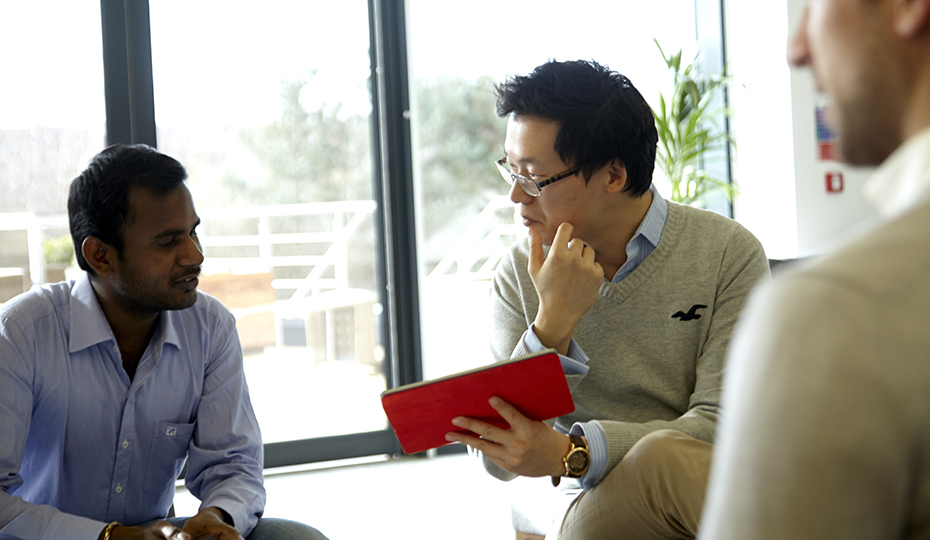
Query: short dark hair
pixel 602 117
pixel 98 201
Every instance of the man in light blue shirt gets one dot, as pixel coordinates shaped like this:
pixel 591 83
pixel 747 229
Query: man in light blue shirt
pixel 110 381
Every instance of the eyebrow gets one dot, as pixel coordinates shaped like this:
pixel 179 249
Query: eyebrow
pixel 524 161
pixel 175 232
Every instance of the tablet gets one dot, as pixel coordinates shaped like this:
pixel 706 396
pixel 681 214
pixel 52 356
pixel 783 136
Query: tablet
pixel 421 413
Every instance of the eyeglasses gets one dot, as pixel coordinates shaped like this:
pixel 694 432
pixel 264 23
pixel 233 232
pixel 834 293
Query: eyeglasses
pixel 529 186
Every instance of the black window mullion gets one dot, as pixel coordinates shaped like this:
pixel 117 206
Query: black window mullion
pixel 127 71
pixel 709 18
pixel 393 166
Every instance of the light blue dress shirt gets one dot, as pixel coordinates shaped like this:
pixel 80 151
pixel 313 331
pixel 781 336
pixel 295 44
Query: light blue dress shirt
pixel 81 445
pixel 643 242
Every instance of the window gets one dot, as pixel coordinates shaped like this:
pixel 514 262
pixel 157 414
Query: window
pixel 466 220
pixel 290 140
pixel 269 109
pixel 51 124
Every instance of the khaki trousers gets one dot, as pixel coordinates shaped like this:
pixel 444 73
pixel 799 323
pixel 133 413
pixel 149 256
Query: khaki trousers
pixel 655 492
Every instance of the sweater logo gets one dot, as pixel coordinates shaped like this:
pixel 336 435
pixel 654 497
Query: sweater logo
pixel 691 315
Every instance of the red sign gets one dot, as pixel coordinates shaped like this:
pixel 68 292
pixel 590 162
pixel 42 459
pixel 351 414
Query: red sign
pixel 834 182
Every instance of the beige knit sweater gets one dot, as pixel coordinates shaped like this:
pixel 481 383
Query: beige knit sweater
pixel 648 370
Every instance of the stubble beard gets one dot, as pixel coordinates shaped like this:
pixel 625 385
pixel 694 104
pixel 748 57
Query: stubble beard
pixel 141 299
pixel 865 138
pixel 870 119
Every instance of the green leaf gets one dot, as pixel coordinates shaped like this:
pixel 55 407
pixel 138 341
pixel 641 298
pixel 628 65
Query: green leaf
pixel 690 124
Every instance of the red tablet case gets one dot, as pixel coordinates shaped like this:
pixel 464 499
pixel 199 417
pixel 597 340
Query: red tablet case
pixel 421 413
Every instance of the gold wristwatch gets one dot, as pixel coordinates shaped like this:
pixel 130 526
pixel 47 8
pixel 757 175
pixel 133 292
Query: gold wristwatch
pixel 576 461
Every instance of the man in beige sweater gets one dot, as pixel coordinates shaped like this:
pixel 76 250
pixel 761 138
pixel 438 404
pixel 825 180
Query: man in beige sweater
pixel 638 296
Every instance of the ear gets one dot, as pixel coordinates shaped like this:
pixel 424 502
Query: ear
pixel 616 180
pixel 99 255
pixel 911 17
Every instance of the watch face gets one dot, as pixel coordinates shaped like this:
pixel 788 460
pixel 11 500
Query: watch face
pixel 577 461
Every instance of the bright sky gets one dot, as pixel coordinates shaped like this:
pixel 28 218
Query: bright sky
pixel 499 38
pixel 221 61
pixel 51 61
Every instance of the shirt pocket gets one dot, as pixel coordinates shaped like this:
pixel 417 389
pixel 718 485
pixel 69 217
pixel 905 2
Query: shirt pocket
pixel 166 456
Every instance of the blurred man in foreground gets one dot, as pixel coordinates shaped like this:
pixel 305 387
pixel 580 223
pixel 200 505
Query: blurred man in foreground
pixel 826 433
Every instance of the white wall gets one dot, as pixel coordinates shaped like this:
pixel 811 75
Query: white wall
pixel 784 200
pixel 760 97
pixel 823 218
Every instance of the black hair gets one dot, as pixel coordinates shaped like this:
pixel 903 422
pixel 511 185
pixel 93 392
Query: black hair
pixel 602 117
pixel 98 200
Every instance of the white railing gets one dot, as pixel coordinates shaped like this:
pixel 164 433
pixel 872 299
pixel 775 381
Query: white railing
pixel 475 254
pixel 479 249
pixel 347 217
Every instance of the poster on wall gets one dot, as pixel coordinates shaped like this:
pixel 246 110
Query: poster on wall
pixel 826 136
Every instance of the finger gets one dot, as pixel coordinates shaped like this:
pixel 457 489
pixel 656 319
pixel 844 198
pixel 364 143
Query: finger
pixel 170 532
pixel 507 411
pixel 588 253
pixel 490 449
pixel 477 434
pixel 537 257
pixel 576 244
pixel 469 439
pixel 562 236
pixel 479 428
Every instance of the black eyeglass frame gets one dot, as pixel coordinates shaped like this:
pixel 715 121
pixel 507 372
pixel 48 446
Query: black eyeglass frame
pixel 528 184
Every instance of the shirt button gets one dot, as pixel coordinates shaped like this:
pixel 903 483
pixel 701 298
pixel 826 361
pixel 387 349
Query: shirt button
pixel 119 488
pixel 126 443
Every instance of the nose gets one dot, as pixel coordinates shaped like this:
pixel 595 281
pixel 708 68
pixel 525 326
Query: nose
pixel 191 252
pixel 798 52
pixel 518 195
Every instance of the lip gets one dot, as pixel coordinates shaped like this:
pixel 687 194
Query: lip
pixel 527 221
pixel 189 281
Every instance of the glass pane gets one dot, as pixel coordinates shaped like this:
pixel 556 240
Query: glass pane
pixel 52 121
pixel 467 220
pixel 269 110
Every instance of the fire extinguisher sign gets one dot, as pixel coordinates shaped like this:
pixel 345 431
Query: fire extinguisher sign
pixel 834 182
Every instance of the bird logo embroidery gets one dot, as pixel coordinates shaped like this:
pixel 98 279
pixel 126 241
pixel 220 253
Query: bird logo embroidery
pixel 691 315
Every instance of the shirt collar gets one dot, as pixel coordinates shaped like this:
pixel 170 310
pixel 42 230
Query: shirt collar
pixel 902 180
pixel 653 223
pixel 89 325
pixel 168 327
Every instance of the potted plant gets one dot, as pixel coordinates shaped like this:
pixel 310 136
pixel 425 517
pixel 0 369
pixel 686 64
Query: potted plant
pixel 58 255
pixel 692 132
